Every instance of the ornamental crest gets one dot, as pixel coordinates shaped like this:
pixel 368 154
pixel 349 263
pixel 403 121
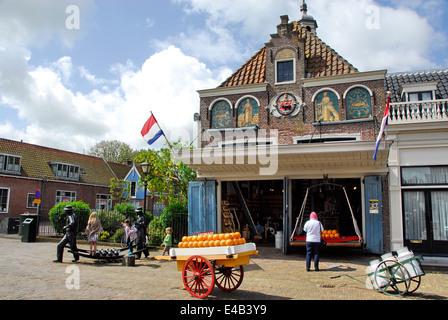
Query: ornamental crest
pixel 286 105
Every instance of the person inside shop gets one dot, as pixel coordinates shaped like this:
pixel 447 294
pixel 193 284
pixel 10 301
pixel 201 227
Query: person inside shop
pixel 313 229
pixel 70 230
pixel 141 224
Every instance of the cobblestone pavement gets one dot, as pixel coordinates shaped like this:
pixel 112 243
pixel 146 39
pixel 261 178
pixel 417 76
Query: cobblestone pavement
pixel 28 273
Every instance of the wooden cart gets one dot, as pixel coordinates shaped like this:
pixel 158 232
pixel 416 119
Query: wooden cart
pixel 202 268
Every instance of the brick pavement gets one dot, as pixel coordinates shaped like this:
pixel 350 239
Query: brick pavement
pixel 27 272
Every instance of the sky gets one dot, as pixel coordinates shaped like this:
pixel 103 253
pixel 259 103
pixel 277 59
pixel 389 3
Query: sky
pixel 77 72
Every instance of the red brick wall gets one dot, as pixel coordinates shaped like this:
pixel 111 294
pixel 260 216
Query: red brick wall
pixel 21 187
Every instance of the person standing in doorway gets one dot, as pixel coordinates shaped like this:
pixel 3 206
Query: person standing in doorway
pixel 313 229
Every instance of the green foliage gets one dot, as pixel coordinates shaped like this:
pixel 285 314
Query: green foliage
pixel 127 210
pixel 167 178
pixel 168 219
pixel 118 235
pixel 113 151
pixel 156 232
pixel 119 190
pixel 110 220
pixel 58 216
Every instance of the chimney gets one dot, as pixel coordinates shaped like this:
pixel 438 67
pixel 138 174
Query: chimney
pixel 284 27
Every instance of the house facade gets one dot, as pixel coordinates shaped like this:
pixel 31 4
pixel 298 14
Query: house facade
pixel 290 132
pixel 418 162
pixel 56 176
pixel 136 196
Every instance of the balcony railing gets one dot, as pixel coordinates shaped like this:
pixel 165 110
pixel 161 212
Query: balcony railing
pixel 418 111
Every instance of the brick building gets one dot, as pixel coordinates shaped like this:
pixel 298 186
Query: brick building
pixel 60 176
pixel 296 122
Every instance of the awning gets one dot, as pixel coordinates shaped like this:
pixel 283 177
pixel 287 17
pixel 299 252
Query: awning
pixel 304 161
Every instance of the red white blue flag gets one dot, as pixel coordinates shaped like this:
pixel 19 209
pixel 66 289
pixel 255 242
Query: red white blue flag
pixel 151 130
pixel 383 126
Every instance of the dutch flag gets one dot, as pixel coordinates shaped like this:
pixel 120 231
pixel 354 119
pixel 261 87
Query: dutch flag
pixel 151 130
pixel 383 126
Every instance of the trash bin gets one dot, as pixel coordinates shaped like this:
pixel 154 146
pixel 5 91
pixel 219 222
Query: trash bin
pixel 29 228
pixel 22 218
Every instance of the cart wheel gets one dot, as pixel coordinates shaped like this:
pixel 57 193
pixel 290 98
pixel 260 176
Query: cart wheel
pixel 198 276
pixel 415 284
pixel 392 275
pixel 229 279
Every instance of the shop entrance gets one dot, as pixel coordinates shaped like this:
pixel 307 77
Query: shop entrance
pixel 330 203
pixel 264 201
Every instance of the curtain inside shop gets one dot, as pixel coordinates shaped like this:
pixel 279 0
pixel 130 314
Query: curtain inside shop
pixel 439 200
pixel 414 215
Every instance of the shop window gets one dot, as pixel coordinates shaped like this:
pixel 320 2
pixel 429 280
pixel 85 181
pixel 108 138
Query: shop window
pixel 326 107
pixel 10 163
pixel 4 200
pixel 221 115
pixel 65 196
pixel 248 113
pixel 103 202
pixel 358 104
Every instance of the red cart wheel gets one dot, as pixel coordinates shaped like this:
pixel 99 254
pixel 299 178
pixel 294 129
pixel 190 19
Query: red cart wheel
pixel 229 279
pixel 198 276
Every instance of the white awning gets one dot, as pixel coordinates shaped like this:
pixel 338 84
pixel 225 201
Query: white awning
pixel 304 161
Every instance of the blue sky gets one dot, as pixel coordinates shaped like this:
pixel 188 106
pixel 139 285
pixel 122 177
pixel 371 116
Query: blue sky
pixel 70 88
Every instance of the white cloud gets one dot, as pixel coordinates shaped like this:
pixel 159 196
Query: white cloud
pixel 400 39
pixel 403 40
pixel 36 22
pixel 56 116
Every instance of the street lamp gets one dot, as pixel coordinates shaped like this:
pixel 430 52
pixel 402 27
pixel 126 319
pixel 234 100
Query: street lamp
pixel 145 170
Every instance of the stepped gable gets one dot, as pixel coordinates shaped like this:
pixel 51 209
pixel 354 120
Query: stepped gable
pixel 322 61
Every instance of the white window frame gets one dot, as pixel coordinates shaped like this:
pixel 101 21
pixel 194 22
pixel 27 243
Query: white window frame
pixel 34 206
pixel 65 174
pixel 4 164
pixel 72 198
pixel 294 65
pixel 6 209
pixel 98 201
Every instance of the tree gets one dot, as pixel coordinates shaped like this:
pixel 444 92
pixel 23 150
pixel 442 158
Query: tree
pixel 167 178
pixel 112 151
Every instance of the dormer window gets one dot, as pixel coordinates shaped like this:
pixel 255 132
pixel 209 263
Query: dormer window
pixel 65 171
pixel 413 92
pixel 420 96
pixel 10 163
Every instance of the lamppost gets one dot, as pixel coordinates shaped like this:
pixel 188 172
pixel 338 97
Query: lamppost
pixel 145 170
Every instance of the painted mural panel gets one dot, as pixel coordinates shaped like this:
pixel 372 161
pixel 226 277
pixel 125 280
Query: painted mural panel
pixel 359 104
pixel 248 113
pixel 221 115
pixel 326 107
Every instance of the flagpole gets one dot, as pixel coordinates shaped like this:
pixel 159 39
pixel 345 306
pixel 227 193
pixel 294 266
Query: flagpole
pixel 163 132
